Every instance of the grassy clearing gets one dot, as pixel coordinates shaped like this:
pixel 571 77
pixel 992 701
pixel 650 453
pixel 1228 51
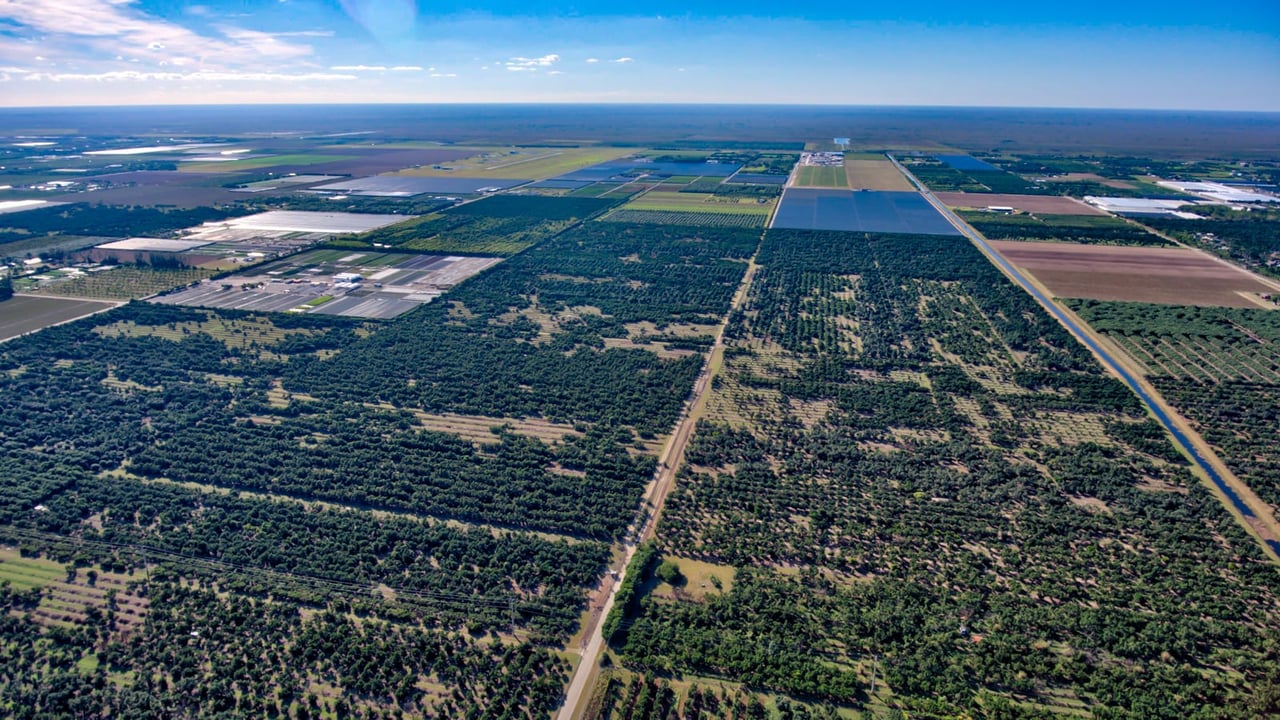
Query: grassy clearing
pixel 26 573
pixel 234 333
pixel 480 428
pixel 821 176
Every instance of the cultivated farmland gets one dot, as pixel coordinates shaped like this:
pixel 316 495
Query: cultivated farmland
pixel 885 433
pixel 123 282
pixel 500 536
pixel 1142 274
pixel 821 176
pixel 874 173
pixel 1039 204
pixel 27 313
pixel 1220 367
pixel 687 208
pixel 1085 229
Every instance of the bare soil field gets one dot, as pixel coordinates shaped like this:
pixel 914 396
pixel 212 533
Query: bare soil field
pixel 1045 204
pixel 175 194
pixel 1178 276
pixel 875 174
pixel 23 313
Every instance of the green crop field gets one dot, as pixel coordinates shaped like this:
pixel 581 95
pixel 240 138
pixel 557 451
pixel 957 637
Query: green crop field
pixel 821 176
pixel 701 203
pixel 691 217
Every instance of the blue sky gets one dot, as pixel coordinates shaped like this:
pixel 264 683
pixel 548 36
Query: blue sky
pixel 1222 55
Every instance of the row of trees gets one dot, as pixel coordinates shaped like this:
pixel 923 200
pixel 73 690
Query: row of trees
pixel 200 654
pixel 978 511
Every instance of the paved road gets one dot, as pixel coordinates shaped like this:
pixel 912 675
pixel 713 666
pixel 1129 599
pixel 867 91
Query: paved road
pixel 1156 408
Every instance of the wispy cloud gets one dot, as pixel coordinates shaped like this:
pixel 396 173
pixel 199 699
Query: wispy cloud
pixel 623 60
pixel 408 68
pixel 524 64
pixel 132 75
pixel 593 60
pixel 358 68
pixel 107 28
pixel 444 75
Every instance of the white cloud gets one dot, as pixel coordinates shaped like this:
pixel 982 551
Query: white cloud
pixel 444 75
pixel 623 60
pixel 210 76
pixel 524 62
pixel 556 72
pixel 104 28
pixel 358 68
pixel 593 60
pixel 408 68
pixel 521 68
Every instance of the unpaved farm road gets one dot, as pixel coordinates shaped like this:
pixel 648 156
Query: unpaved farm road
pixel 664 479
pixel 1240 500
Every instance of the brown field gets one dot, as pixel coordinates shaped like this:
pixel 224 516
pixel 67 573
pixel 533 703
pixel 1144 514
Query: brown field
pixel 1044 204
pixel 874 174
pixel 22 314
pixel 1177 276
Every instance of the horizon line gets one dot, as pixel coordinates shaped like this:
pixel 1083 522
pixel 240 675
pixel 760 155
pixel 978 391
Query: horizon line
pixel 608 103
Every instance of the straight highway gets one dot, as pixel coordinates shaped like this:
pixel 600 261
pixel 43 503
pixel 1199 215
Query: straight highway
pixel 1239 495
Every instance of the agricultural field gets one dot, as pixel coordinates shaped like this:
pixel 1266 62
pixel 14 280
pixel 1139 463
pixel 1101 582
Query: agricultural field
pixel 861 473
pixel 1037 204
pixel 1219 367
pixel 520 163
pixel 123 282
pixel 1249 238
pixel 821 176
pixel 694 218
pixel 258 163
pixel 23 314
pixel 1169 275
pixel 695 209
pixel 357 513
pixel 874 172
pixel 502 225
pixel 905 468
pixel 1045 227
